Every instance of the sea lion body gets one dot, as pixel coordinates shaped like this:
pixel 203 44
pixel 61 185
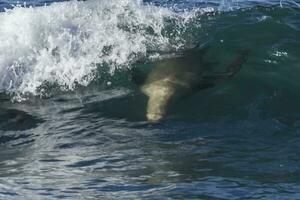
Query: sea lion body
pixel 169 79
pixel 173 78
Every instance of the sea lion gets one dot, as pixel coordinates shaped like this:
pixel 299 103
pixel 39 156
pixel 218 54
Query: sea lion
pixel 17 120
pixel 175 77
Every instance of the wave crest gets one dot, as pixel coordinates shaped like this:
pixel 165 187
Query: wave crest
pixel 65 42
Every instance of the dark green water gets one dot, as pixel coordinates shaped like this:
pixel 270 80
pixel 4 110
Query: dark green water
pixel 237 140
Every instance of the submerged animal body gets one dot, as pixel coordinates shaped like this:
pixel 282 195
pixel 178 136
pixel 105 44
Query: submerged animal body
pixel 176 77
pixel 169 79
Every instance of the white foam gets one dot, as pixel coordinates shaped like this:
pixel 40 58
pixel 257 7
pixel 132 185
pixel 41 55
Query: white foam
pixel 62 43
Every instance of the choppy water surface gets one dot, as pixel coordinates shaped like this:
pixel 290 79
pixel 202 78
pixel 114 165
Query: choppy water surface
pixel 72 121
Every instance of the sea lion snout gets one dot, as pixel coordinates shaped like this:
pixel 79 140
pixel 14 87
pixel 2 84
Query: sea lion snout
pixel 159 94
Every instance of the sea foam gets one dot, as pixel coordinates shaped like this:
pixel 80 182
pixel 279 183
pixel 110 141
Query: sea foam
pixel 64 43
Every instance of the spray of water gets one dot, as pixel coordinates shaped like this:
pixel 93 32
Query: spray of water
pixel 64 43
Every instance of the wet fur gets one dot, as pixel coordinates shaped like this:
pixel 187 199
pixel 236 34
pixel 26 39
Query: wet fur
pixel 173 78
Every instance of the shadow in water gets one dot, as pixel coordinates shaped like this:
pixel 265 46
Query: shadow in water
pixel 131 107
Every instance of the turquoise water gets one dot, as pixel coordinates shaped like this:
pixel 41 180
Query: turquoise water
pixel 73 120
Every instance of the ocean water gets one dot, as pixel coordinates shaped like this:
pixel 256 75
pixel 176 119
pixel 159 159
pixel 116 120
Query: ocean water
pixel 73 120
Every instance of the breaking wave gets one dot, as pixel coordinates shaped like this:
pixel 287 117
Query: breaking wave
pixel 66 43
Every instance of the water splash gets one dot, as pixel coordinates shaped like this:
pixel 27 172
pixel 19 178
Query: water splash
pixel 64 43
